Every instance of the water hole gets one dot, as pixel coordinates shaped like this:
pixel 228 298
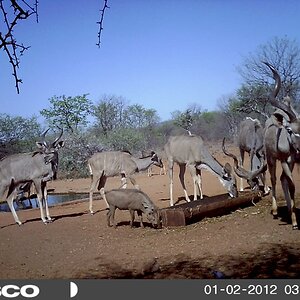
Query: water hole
pixel 53 199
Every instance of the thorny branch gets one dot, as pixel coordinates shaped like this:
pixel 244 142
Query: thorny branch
pixel 13 11
pixel 100 23
pixel 11 15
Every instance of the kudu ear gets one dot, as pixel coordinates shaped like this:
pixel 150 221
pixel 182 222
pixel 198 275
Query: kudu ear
pixel 145 205
pixel 153 154
pixel 41 146
pixel 227 170
pixel 60 144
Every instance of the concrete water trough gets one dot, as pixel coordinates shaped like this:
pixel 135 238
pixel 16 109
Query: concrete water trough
pixel 194 211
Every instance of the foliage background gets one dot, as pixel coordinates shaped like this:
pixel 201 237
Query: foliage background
pixel 113 123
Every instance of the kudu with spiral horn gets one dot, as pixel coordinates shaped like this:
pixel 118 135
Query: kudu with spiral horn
pixel 250 176
pixel 36 167
pixel 282 142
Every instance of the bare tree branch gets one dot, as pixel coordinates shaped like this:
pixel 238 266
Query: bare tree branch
pixel 252 106
pixel 100 23
pixel 284 55
pixel 13 11
pixel 11 15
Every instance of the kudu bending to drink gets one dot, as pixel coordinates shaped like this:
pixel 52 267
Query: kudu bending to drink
pixel 282 142
pixel 114 163
pixel 36 167
pixel 190 151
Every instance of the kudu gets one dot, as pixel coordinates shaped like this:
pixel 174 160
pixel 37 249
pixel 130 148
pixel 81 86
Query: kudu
pixel 114 163
pixel 190 151
pixel 250 176
pixel 251 140
pixel 36 167
pixel 282 142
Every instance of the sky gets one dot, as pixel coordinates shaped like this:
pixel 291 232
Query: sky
pixel 162 54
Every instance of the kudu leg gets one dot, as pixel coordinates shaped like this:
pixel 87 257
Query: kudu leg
pixel 94 184
pixel 272 171
pixel 45 198
pixel 288 187
pixel 196 175
pixel 199 182
pixel 170 171
pixel 264 183
pixel 242 156
pixel 97 183
pixel 39 191
pixel 181 178
pixel 101 185
pixel 133 182
pixel 162 171
pixel 123 181
pixel 10 202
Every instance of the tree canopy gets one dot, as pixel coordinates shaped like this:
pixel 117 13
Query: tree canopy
pixel 284 55
pixel 68 112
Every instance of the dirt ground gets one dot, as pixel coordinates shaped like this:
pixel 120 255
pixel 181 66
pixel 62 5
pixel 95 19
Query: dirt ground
pixel 247 243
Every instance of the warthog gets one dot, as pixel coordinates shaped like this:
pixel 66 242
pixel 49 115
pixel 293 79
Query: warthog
pixel 133 200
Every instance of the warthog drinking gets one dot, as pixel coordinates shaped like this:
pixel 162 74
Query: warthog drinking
pixel 133 200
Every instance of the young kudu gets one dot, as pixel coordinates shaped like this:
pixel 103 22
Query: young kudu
pixel 251 140
pixel 282 142
pixel 114 163
pixel 190 151
pixel 37 167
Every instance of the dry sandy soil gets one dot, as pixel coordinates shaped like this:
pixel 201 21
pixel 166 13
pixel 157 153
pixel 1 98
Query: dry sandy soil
pixel 247 243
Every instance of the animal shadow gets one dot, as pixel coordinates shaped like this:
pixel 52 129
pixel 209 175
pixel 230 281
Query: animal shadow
pixel 72 215
pixel 182 199
pixel 136 224
pixel 56 218
pixel 284 216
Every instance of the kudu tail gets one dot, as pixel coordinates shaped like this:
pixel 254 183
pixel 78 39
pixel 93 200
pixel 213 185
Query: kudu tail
pixel 11 187
pixel 90 169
